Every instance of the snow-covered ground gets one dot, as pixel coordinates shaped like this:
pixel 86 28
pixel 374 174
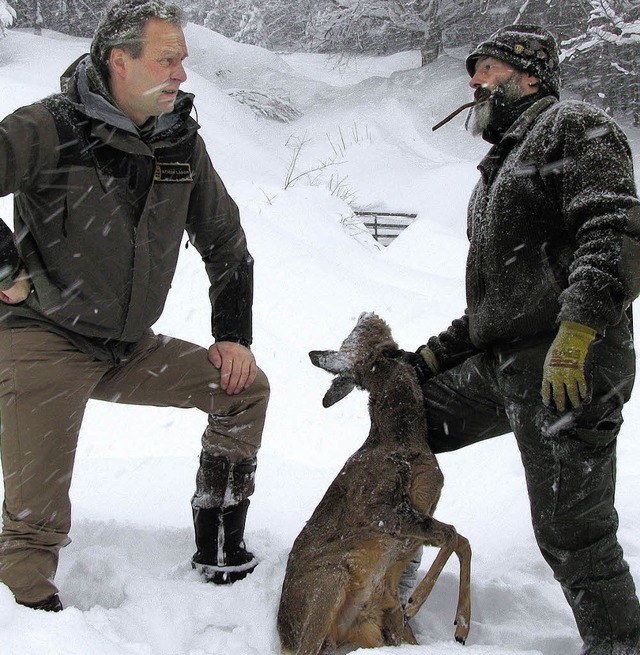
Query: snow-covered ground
pixel 365 138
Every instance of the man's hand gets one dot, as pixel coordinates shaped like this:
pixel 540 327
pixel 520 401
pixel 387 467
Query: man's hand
pixel 563 373
pixel 424 363
pixel 18 292
pixel 236 363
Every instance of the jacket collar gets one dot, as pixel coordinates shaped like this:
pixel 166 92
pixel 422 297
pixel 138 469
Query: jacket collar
pixel 522 124
pixel 497 154
pixel 90 93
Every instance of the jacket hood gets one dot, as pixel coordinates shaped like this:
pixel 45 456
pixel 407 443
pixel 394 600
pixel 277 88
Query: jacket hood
pixel 90 93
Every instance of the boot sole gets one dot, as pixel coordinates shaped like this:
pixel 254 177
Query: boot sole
pixel 224 574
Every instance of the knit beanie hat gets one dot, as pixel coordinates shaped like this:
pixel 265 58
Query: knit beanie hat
pixel 528 48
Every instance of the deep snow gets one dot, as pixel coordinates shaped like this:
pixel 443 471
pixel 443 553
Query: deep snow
pixel 125 580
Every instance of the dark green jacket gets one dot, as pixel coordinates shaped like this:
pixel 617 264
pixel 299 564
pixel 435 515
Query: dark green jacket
pixel 554 231
pixel 100 212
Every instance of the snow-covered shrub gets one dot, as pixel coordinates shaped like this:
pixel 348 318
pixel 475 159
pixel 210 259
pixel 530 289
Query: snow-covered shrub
pixel 269 105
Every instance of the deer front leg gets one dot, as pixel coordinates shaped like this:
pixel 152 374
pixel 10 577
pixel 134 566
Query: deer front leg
pixel 463 611
pixel 444 536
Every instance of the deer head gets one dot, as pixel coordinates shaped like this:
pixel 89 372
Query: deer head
pixel 357 356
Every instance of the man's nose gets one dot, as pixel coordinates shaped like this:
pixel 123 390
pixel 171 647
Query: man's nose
pixel 179 74
pixel 475 82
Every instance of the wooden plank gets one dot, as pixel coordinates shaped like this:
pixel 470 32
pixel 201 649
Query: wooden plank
pixel 386 226
pixel 372 213
pixel 398 227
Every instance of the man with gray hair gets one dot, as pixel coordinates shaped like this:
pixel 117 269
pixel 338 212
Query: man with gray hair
pixel 107 177
pixel 545 348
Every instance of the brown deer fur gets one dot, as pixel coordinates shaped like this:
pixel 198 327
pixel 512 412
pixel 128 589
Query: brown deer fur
pixel 341 582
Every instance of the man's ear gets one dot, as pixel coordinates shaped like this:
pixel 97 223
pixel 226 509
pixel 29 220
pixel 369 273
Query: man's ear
pixel 532 82
pixel 118 61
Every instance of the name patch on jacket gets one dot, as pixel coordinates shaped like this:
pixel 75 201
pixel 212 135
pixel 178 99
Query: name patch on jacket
pixel 172 172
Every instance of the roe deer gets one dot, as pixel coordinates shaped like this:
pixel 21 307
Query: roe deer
pixel 341 582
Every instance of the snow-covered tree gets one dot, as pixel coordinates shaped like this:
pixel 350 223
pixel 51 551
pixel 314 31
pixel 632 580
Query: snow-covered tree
pixel 7 15
pixel 604 61
pixel 433 24
pixel 240 20
pixel 350 21
pixel 76 17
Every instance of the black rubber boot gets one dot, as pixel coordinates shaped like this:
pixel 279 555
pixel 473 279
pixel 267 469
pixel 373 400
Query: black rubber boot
pixel 219 483
pixel 222 557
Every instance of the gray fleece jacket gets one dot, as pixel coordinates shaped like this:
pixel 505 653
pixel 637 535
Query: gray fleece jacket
pixel 553 228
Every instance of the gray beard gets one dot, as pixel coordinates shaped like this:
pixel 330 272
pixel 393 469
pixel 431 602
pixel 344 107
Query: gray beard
pixel 481 116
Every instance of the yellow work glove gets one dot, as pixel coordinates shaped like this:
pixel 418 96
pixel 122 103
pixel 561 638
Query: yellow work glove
pixel 424 362
pixel 430 359
pixel 563 373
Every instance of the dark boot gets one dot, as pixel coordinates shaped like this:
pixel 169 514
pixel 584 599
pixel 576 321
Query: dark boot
pixel 50 604
pixel 219 513
pixel 222 557
pixel 219 483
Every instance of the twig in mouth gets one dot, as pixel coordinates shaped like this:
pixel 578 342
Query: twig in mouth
pixel 453 114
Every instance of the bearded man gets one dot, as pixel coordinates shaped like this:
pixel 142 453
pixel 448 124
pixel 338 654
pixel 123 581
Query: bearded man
pixel 544 348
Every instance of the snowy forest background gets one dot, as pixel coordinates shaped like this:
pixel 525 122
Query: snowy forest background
pixel 599 38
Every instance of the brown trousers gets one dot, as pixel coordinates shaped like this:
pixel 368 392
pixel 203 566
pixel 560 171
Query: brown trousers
pixel 45 384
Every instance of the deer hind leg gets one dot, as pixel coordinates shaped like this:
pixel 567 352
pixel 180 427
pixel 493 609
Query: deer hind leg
pixel 449 541
pixel 307 622
pixel 395 629
pixel 380 624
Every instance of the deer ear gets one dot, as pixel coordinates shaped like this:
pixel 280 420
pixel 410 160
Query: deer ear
pixel 334 362
pixel 329 360
pixel 340 387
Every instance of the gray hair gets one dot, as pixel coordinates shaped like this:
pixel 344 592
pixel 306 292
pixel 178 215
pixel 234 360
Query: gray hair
pixel 122 27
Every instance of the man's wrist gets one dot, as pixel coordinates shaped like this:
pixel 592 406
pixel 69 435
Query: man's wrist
pixel 242 341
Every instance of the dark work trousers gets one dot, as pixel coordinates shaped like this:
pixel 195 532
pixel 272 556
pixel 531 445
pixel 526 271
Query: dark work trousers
pixel 569 463
pixel 45 384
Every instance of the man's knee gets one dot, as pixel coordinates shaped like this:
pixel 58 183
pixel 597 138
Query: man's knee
pixel 260 387
pixel 251 401
pixel 237 421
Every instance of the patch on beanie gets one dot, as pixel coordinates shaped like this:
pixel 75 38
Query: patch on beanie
pixel 528 48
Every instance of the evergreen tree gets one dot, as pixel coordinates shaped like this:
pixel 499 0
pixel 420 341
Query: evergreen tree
pixel 240 20
pixel 431 25
pixel 7 15
pixel 350 22
pixel 295 25
pixel 75 17
pixel 603 62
